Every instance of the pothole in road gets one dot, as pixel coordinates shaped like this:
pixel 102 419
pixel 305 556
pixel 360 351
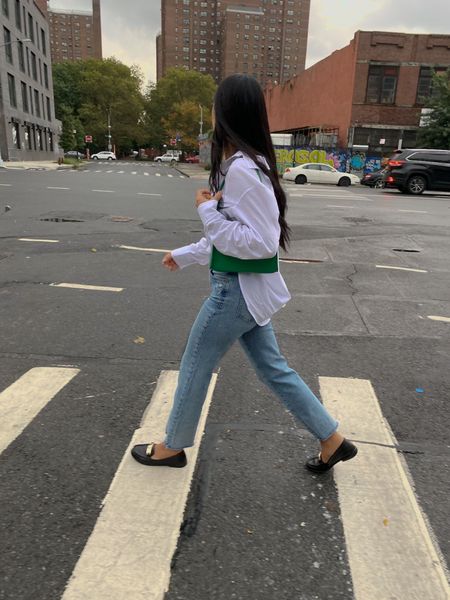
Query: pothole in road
pixel 404 250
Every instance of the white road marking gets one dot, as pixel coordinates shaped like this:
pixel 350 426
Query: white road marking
pixel 182 177
pixel 134 172
pixel 120 172
pixel 104 191
pixel 435 318
pixel 169 175
pixel 80 286
pixel 339 206
pixel 36 240
pixel 5 184
pixel 390 549
pixel 148 194
pixel 146 174
pixel 401 268
pixel 26 397
pixel 109 171
pixel 422 212
pixel 144 249
pixel 97 171
pixel 158 174
pixel 57 188
pixel 142 512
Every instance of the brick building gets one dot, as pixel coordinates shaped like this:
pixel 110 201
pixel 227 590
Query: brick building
pixel 265 38
pixel 370 93
pixel 28 129
pixel 75 34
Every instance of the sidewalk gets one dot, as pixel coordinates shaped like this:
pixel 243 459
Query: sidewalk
pixel 192 170
pixel 34 166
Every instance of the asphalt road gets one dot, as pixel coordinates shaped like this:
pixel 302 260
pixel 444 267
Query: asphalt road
pixel 371 268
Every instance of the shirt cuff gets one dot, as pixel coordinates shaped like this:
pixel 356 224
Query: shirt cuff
pixel 183 256
pixel 207 208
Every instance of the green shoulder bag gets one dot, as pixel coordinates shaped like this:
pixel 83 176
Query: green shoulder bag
pixel 231 264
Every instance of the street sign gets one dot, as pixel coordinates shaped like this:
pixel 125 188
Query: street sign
pixel 88 139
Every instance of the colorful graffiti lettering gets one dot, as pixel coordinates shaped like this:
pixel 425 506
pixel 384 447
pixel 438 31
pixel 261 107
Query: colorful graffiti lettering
pixel 342 160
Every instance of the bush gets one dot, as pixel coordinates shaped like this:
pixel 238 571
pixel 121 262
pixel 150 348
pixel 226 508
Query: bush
pixel 76 163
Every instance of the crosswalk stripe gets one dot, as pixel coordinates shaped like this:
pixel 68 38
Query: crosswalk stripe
pixel 26 397
pixel 161 250
pixel 400 268
pixel 135 537
pixel 158 174
pixel 390 550
pixel 37 240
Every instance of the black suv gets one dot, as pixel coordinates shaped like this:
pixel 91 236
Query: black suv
pixel 414 171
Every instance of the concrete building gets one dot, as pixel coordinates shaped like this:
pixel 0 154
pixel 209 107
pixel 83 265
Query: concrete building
pixel 369 94
pixel 264 38
pixel 76 34
pixel 28 129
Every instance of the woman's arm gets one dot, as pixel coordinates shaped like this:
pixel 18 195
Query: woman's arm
pixel 197 253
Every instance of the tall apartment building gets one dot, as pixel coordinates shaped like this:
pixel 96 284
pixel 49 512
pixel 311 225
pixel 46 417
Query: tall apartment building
pixel 28 129
pixel 75 34
pixel 264 38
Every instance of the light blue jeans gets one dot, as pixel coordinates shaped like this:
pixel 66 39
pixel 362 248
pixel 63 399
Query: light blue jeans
pixel 223 319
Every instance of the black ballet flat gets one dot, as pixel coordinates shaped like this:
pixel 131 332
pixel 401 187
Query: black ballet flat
pixel 346 451
pixel 143 454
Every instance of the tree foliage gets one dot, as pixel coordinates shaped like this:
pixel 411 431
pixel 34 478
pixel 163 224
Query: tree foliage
pixel 85 91
pixel 173 107
pixel 436 133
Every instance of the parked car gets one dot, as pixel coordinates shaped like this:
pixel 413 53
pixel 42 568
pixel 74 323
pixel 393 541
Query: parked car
pixel 414 171
pixel 74 154
pixel 167 158
pixel 375 179
pixel 319 173
pixel 104 155
pixel 192 159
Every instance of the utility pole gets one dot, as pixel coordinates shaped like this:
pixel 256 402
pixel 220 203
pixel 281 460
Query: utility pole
pixel 109 130
pixel 201 119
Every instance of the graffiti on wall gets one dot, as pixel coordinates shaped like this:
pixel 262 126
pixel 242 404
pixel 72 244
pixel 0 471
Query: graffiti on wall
pixel 342 160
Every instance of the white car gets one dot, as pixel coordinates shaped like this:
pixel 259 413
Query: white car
pixel 170 158
pixel 319 173
pixel 104 155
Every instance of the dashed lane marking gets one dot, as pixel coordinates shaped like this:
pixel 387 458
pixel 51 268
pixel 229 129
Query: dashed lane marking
pixel 134 172
pixel 104 191
pixel 57 188
pixel 390 550
pixel 5 184
pixel 26 397
pixel 36 240
pixel 144 249
pixel 120 172
pixel 169 175
pixel 147 194
pixel 147 174
pixel 111 562
pixel 339 206
pixel 422 212
pixel 158 174
pixel 437 318
pixel 400 268
pixel 80 286
pixel 109 171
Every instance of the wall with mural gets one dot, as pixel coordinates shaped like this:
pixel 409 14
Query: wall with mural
pixel 342 160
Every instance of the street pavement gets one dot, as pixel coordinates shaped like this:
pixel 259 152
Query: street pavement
pixel 92 333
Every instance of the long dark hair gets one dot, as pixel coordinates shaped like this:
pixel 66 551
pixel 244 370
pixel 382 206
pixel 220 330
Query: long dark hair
pixel 242 123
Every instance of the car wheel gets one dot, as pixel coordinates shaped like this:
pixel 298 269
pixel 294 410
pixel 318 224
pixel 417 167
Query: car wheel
pixel 379 184
pixel 158 160
pixel 172 163
pixel 300 180
pixel 95 157
pixel 416 185
pixel 344 181
pixel 109 157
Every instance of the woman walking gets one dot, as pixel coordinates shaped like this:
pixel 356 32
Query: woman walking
pixel 243 215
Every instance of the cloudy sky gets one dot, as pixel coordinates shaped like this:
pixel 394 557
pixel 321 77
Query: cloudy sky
pixel 130 28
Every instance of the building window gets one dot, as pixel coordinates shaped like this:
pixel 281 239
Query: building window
pixel 40 144
pixel 15 134
pixel 12 90
pixel 46 75
pixel 25 105
pixel 37 104
pixel 382 84
pixel 18 16
pixel 5 7
pixel 425 85
pixel 8 45
pixel 21 56
pixel 31 100
pixel 28 137
pixel 43 43
pixel 50 141
pixel 30 27
pixel 33 66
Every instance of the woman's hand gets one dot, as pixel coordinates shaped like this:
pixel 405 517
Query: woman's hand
pixel 169 262
pixel 205 195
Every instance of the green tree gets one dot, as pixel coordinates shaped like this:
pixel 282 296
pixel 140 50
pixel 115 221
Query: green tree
pixel 90 90
pixel 436 133
pixel 173 107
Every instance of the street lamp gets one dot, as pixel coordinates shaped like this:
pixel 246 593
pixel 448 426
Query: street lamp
pixel 3 46
pixel 201 119
pixel 109 130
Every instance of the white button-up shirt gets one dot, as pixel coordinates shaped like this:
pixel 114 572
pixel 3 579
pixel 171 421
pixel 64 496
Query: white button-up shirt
pixel 244 225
